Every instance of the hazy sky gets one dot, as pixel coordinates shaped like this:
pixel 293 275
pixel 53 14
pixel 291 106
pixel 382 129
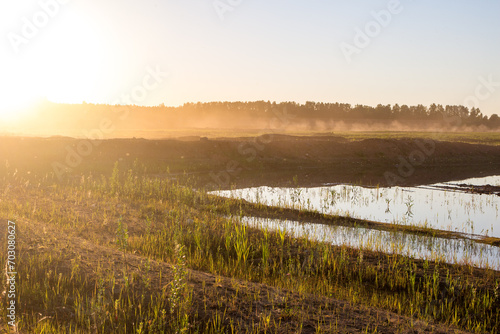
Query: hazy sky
pixel 241 50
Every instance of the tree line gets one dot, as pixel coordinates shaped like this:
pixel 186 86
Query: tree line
pixel 346 112
pixel 258 114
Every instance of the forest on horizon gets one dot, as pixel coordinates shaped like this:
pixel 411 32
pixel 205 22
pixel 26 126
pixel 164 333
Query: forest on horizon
pixel 310 116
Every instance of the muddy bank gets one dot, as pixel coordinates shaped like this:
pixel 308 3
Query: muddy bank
pixel 363 175
pixel 473 189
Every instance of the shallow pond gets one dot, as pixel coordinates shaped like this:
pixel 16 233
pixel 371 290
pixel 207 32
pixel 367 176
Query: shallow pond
pixel 429 205
pixel 456 251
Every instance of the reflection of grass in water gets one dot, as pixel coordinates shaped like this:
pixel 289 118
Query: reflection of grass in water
pixel 458 251
pixel 162 216
pixel 337 201
pixel 275 197
pixel 409 206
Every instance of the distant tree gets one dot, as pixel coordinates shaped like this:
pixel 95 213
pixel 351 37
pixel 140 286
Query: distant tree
pixel 420 112
pixel 405 112
pixel 494 121
pixel 462 112
pixel 434 111
pixel 396 111
pixel 475 116
pixel 383 112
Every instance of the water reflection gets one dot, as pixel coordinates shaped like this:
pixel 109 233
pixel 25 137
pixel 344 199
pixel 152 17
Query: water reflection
pixel 456 251
pixel 424 206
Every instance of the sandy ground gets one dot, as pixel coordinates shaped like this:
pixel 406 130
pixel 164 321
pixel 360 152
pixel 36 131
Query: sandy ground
pixel 332 315
pixel 222 163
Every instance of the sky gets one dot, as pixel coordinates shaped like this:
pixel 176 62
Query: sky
pixel 148 52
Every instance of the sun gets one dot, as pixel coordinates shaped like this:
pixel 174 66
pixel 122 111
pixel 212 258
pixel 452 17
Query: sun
pixel 16 98
pixel 64 63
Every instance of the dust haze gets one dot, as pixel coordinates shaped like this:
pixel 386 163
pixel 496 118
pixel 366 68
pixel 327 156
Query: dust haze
pixel 232 118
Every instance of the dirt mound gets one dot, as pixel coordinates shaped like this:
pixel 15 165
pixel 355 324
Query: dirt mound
pixel 223 161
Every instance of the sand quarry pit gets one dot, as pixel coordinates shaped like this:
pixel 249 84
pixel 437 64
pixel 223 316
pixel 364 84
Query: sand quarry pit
pixel 127 234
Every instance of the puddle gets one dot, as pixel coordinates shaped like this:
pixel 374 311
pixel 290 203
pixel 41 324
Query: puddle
pixel 428 206
pixel 455 251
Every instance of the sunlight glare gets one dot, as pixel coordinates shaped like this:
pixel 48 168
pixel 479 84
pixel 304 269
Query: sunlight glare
pixel 63 64
pixel 17 94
